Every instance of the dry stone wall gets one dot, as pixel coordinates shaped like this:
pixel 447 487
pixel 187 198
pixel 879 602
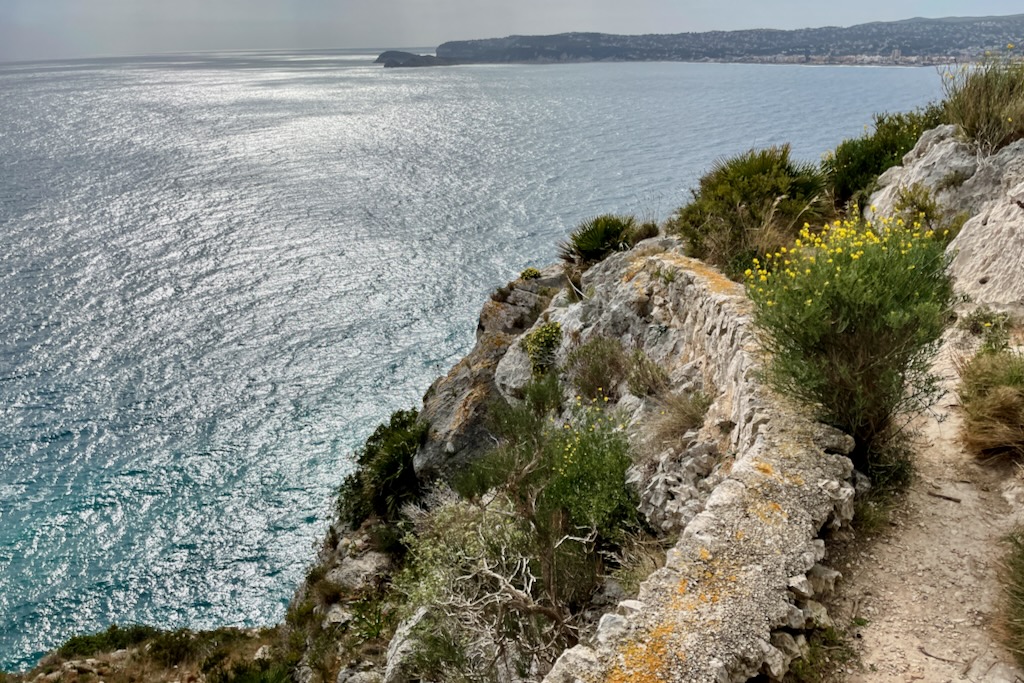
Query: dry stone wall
pixel 739 589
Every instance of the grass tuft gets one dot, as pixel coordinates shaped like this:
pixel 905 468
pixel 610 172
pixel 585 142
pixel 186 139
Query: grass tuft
pixel 992 396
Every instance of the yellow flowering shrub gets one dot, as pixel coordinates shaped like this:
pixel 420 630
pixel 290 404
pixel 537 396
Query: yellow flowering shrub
pixel 851 315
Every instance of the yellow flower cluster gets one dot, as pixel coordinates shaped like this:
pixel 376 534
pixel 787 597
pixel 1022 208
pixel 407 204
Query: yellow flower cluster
pixel 817 259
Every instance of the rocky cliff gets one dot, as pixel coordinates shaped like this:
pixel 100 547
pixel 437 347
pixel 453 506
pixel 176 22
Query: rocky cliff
pixel 987 190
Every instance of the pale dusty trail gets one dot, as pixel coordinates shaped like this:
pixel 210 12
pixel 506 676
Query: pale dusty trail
pixel 927 586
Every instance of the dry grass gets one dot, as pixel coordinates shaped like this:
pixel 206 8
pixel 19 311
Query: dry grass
pixel 677 414
pixel 987 101
pixel 597 367
pixel 992 395
pixel 1011 626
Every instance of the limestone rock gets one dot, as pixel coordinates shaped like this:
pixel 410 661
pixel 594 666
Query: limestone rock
pixel 989 190
pixel 358 572
pixel 401 647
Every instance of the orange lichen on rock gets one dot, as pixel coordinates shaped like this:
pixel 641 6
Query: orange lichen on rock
pixel 647 660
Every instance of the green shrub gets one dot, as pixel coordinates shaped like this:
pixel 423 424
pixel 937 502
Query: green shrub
pixel 114 638
pixel 541 344
pixel 987 101
pixel 250 672
pixel 851 317
pixel 530 274
pixel 751 205
pixel 992 395
pixel 597 367
pixel 384 479
pixel 507 577
pixel 645 377
pixel 640 232
pixel 594 239
pixel 853 168
pixel 1011 577
pixel 171 648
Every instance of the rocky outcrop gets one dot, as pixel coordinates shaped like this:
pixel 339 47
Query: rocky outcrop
pixel 454 406
pixel 752 489
pixel 986 263
pixel 396 58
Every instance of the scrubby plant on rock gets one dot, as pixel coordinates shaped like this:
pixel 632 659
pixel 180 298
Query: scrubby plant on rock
pixel 644 376
pixel 986 100
pixel 853 168
pixel 384 479
pixel 596 367
pixel 851 317
pixel 596 238
pixel 751 205
pixel 505 574
pixel 540 345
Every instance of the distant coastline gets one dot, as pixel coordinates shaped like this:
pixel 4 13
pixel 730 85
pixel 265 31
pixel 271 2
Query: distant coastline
pixel 912 42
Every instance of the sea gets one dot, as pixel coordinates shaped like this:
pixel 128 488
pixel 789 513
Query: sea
pixel 219 272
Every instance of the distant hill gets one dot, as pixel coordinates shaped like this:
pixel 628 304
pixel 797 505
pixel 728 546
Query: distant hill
pixel 910 41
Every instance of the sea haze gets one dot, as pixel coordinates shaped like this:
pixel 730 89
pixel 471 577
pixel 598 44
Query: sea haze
pixel 220 272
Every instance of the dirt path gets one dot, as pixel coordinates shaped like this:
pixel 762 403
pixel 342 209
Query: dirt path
pixel 927 586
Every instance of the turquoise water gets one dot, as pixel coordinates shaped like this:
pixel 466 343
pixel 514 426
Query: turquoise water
pixel 219 272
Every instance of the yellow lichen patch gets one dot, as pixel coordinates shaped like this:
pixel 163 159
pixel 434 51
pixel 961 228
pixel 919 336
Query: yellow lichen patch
pixel 705 554
pixel 768 512
pixel 635 268
pixel 764 468
pixel 648 659
pixel 711 277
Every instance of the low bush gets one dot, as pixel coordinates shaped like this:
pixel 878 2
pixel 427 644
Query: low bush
pixel 992 396
pixel 596 367
pixel 987 101
pixel 506 575
pixel 852 170
pixel 114 638
pixel 645 377
pixel 530 274
pixel 851 318
pixel 677 414
pixel 250 672
pixel 541 344
pixel 917 208
pixel 384 479
pixel 751 205
pixel 596 238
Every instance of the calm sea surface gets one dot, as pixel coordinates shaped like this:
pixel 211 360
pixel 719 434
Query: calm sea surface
pixel 219 272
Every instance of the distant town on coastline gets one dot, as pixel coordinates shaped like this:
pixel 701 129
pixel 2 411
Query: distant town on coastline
pixel 910 42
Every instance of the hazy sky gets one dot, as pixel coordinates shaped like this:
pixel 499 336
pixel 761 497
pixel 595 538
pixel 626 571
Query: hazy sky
pixel 38 29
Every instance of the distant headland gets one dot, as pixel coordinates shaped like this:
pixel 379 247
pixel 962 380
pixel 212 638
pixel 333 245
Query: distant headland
pixel 909 42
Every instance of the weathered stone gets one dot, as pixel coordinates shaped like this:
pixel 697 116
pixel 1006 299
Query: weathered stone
pixel 801 587
pixel 611 628
pixel 402 647
pixel 358 572
pixel 823 580
pixel 816 615
pixel 336 616
pixel 627 607
pixel 576 665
